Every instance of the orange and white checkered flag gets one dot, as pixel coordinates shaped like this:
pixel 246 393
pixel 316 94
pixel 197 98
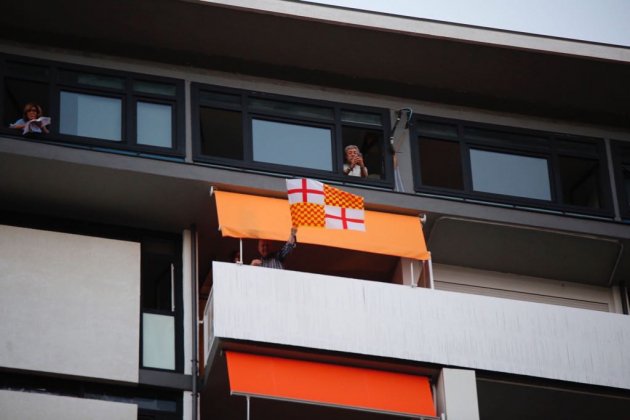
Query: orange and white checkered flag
pixel 315 204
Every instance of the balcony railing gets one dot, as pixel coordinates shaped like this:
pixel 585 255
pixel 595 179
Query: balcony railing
pixel 417 324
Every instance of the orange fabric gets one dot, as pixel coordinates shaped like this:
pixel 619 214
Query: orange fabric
pixel 250 216
pixel 346 386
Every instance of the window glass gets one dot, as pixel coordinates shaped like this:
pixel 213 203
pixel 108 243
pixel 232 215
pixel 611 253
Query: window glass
pixel 292 144
pixel 509 174
pixel 90 116
pixel 220 97
pixel 221 133
pixel 158 341
pixel 580 181
pixel 154 88
pixel 94 80
pixel 361 117
pixel 427 128
pixel 291 109
pixel 514 138
pixel 441 164
pixel 370 144
pixel 154 124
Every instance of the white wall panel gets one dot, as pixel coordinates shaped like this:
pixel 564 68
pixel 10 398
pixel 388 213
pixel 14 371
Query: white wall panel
pixel 447 328
pixel 533 289
pixel 69 304
pixel 30 406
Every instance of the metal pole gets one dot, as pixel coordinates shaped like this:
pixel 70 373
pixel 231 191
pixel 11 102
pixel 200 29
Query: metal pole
pixel 195 320
pixel 413 278
pixel 247 398
pixel 431 284
pixel 240 250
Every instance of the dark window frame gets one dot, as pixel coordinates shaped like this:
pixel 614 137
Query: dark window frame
pixel 129 99
pixel 248 115
pixel 545 145
pixel 621 157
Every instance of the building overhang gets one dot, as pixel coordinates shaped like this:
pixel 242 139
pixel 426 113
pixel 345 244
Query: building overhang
pixel 339 48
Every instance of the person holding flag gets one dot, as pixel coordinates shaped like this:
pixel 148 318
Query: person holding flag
pixel 275 259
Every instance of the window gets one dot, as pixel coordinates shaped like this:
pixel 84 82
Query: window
pixel 96 107
pixel 287 135
pixel 161 303
pixel 518 167
pixel 510 174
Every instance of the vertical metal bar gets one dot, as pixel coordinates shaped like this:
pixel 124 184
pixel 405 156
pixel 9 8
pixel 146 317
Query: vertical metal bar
pixel 240 250
pixel 194 255
pixel 413 278
pixel 172 287
pixel 431 284
pixel 247 398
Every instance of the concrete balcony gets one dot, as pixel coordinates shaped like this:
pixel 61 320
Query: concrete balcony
pixel 392 321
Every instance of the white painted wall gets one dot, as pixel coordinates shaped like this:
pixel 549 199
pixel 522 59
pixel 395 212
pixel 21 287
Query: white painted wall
pixel 69 304
pixel 457 394
pixel 31 406
pixel 446 328
pixel 533 289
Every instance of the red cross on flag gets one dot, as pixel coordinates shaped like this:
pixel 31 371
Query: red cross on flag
pixel 315 204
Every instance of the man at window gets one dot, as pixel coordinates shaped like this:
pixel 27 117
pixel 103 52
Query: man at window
pixel 354 165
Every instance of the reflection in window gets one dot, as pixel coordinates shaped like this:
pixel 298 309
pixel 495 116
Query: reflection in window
pixel 90 116
pixel 369 143
pixel 508 174
pixel 154 124
pixel 221 133
pixel 441 164
pixel 580 181
pixel 291 144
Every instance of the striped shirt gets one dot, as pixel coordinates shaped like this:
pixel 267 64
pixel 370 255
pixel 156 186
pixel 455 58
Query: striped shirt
pixel 275 259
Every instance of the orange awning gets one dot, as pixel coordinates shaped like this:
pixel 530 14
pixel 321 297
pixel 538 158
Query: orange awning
pixel 250 216
pixel 328 384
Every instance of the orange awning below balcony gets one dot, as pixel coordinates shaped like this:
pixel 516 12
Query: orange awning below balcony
pixel 328 384
pixel 250 216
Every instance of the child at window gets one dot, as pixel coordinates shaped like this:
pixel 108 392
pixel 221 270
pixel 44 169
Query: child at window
pixel 32 120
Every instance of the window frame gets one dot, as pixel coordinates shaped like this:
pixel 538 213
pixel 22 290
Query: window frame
pixel 248 115
pixel 620 151
pixel 545 145
pixel 128 96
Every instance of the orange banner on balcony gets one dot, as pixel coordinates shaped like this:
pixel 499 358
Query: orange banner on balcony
pixel 251 216
pixel 328 384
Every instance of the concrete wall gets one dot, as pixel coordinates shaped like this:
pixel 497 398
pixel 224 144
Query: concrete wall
pixel 446 328
pixel 69 304
pixel 31 406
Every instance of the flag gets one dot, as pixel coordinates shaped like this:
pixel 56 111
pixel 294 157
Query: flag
pixel 315 204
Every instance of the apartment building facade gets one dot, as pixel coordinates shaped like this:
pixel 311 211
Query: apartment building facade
pixel 498 167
